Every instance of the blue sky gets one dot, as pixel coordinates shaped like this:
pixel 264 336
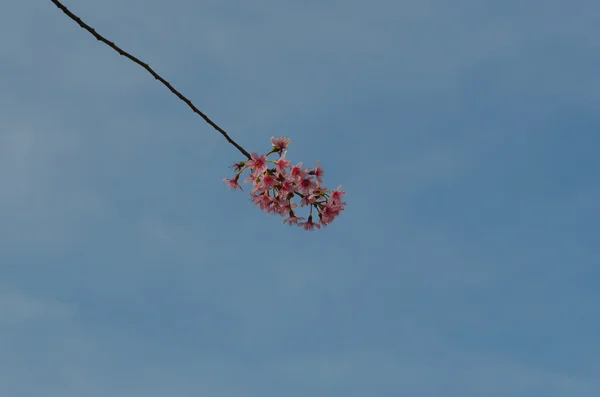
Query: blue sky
pixel 465 264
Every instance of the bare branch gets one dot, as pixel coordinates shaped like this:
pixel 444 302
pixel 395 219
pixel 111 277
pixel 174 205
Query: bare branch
pixel 152 72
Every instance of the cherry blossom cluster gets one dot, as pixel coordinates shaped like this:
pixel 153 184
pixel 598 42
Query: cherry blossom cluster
pixel 274 187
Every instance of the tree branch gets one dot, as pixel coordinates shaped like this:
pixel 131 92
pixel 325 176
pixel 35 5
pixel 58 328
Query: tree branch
pixel 152 72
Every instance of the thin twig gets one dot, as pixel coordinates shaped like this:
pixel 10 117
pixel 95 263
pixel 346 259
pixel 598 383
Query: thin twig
pixel 152 72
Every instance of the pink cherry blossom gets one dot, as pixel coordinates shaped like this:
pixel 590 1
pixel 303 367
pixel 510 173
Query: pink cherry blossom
pixel 318 172
pixel 279 206
pixel 317 193
pixel 286 187
pixel 306 184
pixel 336 195
pixel 297 172
pixel 262 200
pixel 257 164
pixel 328 212
pixel 266 182
pixel 282 164
pixel 309 224
pixel 293 219
pixel 274 189
pixel 280 143
pixel 233 183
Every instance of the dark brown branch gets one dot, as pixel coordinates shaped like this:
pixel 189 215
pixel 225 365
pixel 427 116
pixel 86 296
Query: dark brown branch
pixel 152 72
